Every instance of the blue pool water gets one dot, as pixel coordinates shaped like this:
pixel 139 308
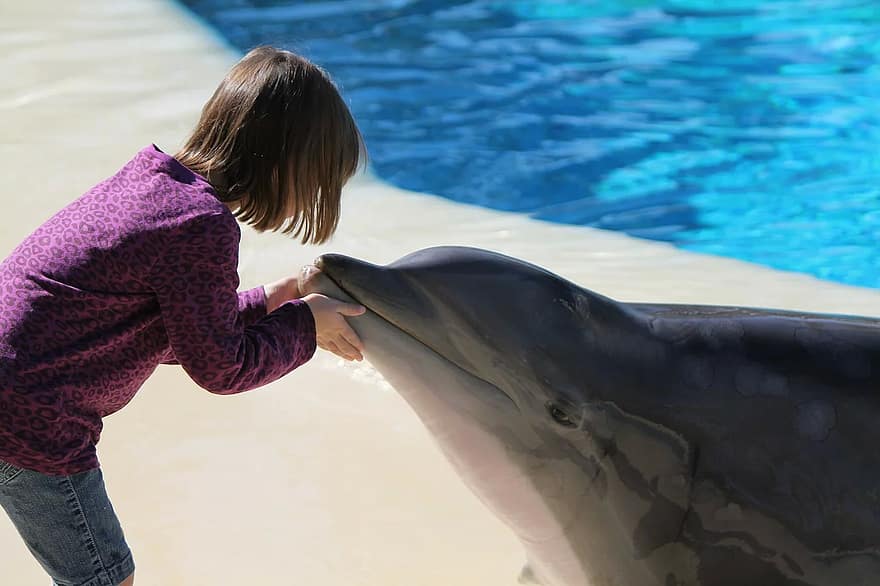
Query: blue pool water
pixel 745 128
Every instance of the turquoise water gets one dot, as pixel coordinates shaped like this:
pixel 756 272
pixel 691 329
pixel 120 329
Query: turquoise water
pixel 744 128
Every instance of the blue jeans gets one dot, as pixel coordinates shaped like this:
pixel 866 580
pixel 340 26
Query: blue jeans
pixel 68 524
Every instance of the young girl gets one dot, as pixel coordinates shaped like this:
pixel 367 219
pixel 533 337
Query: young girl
pixel 142 270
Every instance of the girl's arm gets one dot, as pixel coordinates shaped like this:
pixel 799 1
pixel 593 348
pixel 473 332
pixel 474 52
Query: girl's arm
pixel 279 292
pixel 196 281
pixel 254 304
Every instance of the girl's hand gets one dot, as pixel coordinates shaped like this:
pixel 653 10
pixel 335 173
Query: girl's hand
pixel 334 333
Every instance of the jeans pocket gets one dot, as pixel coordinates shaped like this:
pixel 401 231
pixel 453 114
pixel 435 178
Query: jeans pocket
pixel 8 472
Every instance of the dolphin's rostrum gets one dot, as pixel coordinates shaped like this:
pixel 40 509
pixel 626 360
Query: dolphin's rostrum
pixel 635 444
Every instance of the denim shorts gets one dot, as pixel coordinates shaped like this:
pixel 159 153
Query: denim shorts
pixel 68 524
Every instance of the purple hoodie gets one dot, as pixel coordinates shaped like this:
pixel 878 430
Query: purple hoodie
pixel 141 269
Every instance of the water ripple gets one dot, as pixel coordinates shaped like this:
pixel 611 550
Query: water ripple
pixel 746 128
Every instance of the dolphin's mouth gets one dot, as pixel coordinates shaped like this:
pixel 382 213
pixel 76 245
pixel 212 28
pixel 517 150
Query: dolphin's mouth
pixel 440 355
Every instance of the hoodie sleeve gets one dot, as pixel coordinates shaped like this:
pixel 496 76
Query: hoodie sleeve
pixel 251 307
pixel 224 340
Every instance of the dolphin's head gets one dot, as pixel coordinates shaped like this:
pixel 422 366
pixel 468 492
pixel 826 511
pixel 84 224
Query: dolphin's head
pixel 499 358
pixel 509 323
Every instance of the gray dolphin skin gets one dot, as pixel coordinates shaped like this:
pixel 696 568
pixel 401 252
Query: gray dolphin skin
pixel 635 444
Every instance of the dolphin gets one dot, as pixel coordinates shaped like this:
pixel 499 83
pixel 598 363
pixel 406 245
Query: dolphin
pixel 635 444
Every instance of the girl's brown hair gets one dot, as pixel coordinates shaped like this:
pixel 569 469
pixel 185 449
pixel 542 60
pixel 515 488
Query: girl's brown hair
pixel 277 139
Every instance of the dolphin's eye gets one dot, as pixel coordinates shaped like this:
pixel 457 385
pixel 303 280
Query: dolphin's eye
pixel 559 416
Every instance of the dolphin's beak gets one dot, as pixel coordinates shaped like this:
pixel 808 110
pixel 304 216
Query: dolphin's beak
pixel 328 266
pixel 356 277
pixel 329 261
pixel 333 265
pixel 377 288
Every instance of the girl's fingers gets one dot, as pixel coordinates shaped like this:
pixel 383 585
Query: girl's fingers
pixel 328 345
pixel 350 352
pixel 350 309
pixel 349 347
pixel 350 336
pixel 341 348
pixel 334 333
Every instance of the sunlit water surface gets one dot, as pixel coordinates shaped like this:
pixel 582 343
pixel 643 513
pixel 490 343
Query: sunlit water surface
pixel 746 128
